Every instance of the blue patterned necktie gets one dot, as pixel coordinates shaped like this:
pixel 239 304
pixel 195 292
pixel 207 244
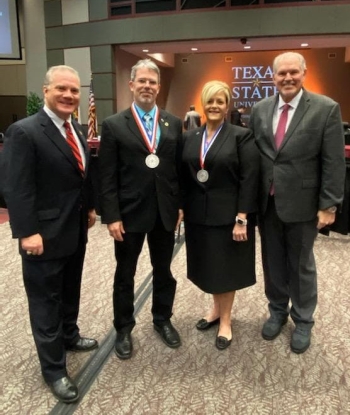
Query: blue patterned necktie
pixel 148 124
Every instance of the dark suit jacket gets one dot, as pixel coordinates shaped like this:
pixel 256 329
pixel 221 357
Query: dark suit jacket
pixel 129 190
pixel 308 169
pixel 233 166
pixel 44 190
pixel 236 118
pixel 2 200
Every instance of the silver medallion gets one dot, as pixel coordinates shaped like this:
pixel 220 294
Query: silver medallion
pixel 152 161
pixel 202 176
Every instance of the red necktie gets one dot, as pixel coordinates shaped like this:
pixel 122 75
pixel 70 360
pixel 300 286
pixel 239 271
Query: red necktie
pixel 281 127
pixel 74 146
pixel 280 132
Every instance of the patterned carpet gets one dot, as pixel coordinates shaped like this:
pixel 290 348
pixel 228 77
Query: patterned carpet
pixel 253 376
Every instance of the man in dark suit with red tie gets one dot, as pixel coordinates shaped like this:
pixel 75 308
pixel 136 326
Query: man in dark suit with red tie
pixel 139 159
pixel 301 142
pixel 50 207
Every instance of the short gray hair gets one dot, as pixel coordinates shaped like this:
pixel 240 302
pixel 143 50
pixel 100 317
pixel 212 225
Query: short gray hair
pixel 144 63
pixel 287 55
pixel 53 69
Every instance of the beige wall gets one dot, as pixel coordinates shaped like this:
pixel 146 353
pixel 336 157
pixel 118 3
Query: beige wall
pixel 124 62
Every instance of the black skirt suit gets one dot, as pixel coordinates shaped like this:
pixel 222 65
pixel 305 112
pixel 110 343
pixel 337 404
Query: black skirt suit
pixel 215 262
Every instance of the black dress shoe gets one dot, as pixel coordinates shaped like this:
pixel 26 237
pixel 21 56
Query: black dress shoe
pixel 123 346
pixel 272 328
pixel 203 324
pixel 301 339
pixel 168 334
pixel 83 345
pixel 64 389
pixel 222 343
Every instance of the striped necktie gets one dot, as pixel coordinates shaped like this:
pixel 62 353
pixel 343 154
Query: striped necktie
pixel 74 146
pixel 148 124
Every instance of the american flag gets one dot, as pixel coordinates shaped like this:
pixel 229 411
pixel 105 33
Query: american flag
pixel 76 115
pixel 92 119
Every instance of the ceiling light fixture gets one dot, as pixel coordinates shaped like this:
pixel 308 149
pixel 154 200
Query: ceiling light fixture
pixel 247 47
pixel 304 45
pixel 145 50
pixel 194 49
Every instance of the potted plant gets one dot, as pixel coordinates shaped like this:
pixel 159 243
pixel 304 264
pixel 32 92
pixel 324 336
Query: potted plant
pixel 34 103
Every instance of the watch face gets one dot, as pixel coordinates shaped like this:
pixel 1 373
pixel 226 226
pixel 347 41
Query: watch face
pixel 241 221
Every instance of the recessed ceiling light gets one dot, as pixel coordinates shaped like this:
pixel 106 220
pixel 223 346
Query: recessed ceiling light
pixel 304 45
pixel 194 49
pixel 247 47
pixel 145 50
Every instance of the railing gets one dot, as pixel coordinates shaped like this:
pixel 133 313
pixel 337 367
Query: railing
pixel 133 8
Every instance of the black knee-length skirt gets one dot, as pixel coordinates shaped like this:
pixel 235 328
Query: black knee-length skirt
pixel 215 262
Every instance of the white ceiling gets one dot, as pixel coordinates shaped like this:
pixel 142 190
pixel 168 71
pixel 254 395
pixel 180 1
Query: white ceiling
pixel 235 45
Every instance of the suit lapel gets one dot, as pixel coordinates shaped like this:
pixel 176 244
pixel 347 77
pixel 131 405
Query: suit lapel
pixel 134 128
pixel 269 116
pixel 299 113
pixel 164 128
pixel 218 143
pixel 195 143
pixel 54 135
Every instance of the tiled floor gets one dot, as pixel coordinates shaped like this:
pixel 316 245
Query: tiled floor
pixel 252 377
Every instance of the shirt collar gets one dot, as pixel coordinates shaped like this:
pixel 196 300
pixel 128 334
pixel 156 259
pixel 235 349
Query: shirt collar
pixel 55 117
pixel 293 103
pixel 142 112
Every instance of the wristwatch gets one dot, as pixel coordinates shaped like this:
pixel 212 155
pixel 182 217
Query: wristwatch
pixel 332 209
pixel 241 221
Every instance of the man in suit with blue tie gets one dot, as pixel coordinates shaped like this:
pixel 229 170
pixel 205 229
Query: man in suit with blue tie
pixel 139 160
pixel 51 208
pixel 300 138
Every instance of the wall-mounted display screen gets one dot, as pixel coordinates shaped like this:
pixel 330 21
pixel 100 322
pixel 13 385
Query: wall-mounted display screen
pixel 10 45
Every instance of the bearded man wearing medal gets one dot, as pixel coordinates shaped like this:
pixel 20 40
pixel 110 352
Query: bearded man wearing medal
pixel 220 168
pixel 139 161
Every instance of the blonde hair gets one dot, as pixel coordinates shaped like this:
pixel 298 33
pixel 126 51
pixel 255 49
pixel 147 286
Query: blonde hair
pixel 212 88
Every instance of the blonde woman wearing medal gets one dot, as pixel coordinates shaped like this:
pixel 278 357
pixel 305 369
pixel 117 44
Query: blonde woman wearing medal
pixel 220 168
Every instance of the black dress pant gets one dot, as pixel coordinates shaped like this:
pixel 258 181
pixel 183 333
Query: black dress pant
pixel 161 246
pixel 53 291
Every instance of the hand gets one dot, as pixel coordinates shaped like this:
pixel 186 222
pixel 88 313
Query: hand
pixel 180 218
pixel 116 229
pixel 33 244
pixel 239 233
pixel 91 218
pixel 325 218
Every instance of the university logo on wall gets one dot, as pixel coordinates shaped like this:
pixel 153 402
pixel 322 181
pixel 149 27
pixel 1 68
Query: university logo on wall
pixel 251 84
